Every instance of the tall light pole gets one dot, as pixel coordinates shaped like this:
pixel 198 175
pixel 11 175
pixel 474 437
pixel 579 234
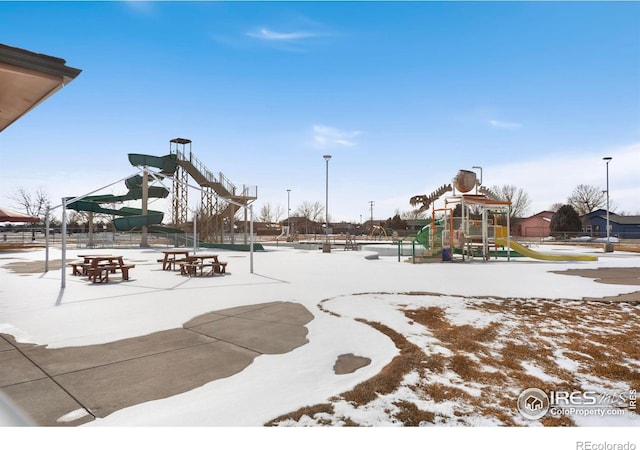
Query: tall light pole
pixel 327 247
pixel 608 247
pixel 288 212
pixel 371 203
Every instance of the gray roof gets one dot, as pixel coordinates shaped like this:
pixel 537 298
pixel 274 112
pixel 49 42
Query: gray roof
pixel 622 220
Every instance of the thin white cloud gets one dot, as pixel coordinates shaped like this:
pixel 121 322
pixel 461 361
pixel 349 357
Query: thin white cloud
pixel 553 178
pixel 505 125
pixel 329 137
pixel 269 35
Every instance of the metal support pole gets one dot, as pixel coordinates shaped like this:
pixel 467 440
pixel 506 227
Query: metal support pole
pixel 195 232
pixel 288 212
pixel 327 245
pixel 46 240
pixel 485 231
pixel 144 239
pixel 63 230
pixel 251 239
pixel 413 252
pixel 608 247
pixel 509 234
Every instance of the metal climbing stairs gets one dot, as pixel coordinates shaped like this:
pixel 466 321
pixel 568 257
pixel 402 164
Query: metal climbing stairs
pixel 189 164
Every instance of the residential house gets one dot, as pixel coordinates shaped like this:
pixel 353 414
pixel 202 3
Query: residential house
pixel 623 227
pixel 302 225
pixel 537 225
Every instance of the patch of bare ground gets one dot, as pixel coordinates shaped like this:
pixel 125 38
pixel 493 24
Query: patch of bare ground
pixel 552 345
pixel 33 266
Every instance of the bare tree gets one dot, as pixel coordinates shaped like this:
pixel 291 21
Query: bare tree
pixel 555 206
pixel 270 214
pixel 312 211
pixel 33 204
pixel 519 198
pixel 278 212
pixel 586 198
pixel 414 214
pixel 265 213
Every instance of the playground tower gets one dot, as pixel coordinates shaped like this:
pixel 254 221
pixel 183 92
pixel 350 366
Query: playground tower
pixel 463 233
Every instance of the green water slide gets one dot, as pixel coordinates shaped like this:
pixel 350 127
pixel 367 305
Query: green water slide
pixel 423 236
pixel 131 218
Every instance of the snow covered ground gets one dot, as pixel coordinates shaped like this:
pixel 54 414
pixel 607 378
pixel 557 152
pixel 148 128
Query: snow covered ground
pixel 504 307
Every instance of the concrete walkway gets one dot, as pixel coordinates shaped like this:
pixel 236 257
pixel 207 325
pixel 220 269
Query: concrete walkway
pixel 74 385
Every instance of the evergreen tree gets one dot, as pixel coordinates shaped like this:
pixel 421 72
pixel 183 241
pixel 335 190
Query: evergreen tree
pixel 565 220
pixel 396 223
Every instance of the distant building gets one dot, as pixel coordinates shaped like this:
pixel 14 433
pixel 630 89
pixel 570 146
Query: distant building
pixel 623 227
pixel 537 225
pixel 302 225
pixel 415 225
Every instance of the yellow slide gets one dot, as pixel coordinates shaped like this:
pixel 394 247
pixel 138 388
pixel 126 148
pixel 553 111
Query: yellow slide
pixel 525 251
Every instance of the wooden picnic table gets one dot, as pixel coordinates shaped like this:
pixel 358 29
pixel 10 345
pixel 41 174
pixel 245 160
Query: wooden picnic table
pixel 98 267
pixel 197 265
pixel 171 257
pixel 80 267
pixel 88 258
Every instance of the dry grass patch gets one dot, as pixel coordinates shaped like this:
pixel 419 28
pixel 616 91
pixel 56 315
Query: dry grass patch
pixel 461 337
pixel 553 345
pixel 440 392
pixel 389 378
pixel 411 416
pixel 310 411
pixel 469 370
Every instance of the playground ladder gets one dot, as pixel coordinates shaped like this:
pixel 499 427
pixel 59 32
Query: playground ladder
pixel 350 243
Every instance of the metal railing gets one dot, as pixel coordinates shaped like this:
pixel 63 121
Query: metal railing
pixel 204 171
pixel 247 191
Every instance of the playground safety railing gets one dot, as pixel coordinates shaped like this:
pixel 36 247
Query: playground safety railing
pixel 130 239
pixel 209 176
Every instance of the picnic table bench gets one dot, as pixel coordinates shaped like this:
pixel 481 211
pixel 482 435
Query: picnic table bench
pixel 202 269
pixel 98 267
pixel 171 258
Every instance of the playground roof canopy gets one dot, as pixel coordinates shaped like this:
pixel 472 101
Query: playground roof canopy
pixel 483 200
pixel 27 79
pixel 9 215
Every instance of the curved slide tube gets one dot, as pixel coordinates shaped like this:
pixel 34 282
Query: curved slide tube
pixel 525 251
pixel 132 218
pixel 423 236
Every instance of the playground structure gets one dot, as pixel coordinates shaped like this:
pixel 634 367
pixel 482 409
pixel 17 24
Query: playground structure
pixel 377 232
pixel 472 237
pixel 219 198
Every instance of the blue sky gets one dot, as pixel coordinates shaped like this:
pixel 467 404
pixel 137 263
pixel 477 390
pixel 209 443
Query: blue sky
pixel 401 94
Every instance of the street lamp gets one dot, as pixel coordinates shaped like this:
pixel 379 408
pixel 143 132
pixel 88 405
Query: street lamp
pixel 288 212
pixel 608 247
pixel 371 203
pixel 327 247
